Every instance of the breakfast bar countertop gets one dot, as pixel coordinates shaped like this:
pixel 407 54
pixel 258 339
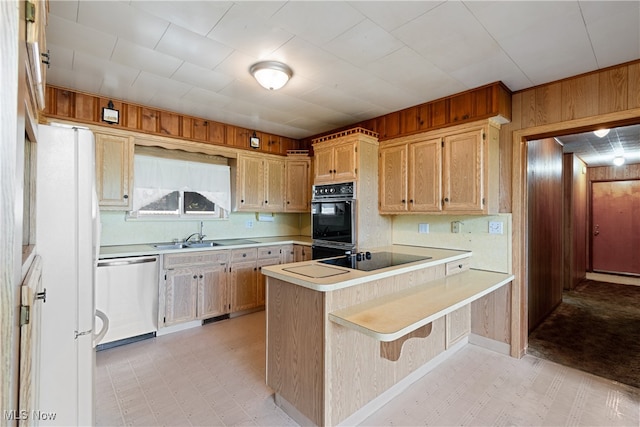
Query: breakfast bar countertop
pixel 324 278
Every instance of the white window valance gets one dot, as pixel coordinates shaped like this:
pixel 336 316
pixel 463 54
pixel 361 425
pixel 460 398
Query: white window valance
pixel 155 177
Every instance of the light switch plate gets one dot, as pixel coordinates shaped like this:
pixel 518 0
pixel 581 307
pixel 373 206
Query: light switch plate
pixel 423 228
pixel 496 227
pixel 248 224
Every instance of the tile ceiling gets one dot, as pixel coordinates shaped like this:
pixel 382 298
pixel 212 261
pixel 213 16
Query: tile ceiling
pixel 351 60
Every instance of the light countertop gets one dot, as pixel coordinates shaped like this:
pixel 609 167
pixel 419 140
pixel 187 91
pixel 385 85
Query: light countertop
pixel 391 317
pixel 325 278
pixel 118 251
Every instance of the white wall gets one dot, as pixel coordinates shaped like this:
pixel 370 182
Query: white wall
pixel 118 231
pixel 490 251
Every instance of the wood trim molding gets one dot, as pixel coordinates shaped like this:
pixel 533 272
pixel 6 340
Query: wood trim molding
pixel 519 308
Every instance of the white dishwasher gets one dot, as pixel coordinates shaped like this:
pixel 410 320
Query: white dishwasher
pixel 127 292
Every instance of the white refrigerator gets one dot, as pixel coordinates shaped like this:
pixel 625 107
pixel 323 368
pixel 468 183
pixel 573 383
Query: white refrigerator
pixel 67 239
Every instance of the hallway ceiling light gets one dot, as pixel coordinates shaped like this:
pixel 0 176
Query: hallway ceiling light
pixel 618 160
pixel 271 75
pixel 601 133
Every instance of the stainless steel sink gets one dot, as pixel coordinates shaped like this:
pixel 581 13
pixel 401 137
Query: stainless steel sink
pixel 183 245
pixel 171 246
pixel 202 244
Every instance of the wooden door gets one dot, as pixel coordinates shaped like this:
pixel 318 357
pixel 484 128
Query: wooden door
pixel 181 295
pixel 212 291
pixel 462 172
pixel 288 254
pixel 298 187
pixel 615 227
pixel 393 179
pixel 30 340
pixel 425 176
pixel 251 183
pixel 244 292
pixel 114 164
pixel 302 253
pixel 345 162
pixel 323 165
pixel 274 185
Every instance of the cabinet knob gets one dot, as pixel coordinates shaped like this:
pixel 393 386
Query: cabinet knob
pixel 404 201
pixel 411 201
pixel 242 201
pixel 126 196
pixel 201 276
pixel 266 202
pixel 244 255
pixel 446 199
pixel 195 276
pixel 269 252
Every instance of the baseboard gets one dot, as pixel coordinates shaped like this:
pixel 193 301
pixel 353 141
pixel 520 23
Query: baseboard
pixel 489 344
pixel 614 278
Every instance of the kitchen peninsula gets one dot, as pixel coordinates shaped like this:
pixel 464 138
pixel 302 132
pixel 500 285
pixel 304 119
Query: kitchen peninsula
pixel 342 341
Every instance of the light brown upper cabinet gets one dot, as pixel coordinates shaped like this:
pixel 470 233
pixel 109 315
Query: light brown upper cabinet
pixel 453 171
pixel 260 184
pixel 298 185
pixel 114 171
pixel 335 162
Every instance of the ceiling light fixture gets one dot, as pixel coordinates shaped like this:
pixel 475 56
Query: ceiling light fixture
pixel 601 133
pixel 271 75
pixel 618 160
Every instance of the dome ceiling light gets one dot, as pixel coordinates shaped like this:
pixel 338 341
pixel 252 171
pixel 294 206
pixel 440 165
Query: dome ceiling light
pixel 601 133
pixel 618 160
pixel 271 75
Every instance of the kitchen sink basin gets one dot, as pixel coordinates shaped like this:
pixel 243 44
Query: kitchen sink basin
pixel 183 245
pixel 201 244
pixel 171 246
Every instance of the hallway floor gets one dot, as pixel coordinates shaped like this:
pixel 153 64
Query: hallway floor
pixel 596 329
pixel 214 375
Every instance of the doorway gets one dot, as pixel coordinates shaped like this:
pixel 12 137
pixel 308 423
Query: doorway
pixel 615 229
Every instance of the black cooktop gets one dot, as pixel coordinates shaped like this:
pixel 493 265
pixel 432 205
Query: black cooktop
pixel 367 261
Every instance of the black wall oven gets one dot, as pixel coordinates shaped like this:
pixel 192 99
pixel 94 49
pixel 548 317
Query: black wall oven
pixel 333 212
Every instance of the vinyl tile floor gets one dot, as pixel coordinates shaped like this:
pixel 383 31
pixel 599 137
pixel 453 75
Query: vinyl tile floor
pixel 214 375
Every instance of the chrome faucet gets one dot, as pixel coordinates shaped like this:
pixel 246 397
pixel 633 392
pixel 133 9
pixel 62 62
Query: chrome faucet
pixel 199 234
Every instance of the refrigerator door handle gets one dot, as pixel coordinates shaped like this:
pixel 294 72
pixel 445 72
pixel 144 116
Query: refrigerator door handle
pixel 105 327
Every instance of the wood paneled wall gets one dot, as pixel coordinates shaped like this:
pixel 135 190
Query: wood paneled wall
pixel 608 97
pixel 87 108
pixel 575 221
pixel 544 182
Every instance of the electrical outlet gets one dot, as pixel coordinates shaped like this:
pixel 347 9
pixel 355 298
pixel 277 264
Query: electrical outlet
pixel 248 224
pixel 456 227
pixel 423 228
pixel 496 227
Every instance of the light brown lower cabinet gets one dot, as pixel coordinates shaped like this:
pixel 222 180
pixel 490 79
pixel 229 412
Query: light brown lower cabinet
pixel 195 286
pixel 247 282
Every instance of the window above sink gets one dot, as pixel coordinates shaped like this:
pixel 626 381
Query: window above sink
pixel 177 189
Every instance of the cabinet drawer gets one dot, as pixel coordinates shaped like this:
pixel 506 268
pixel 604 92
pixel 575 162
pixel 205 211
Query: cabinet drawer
pixel 459 266
pixel 244 254
pixel 268 252
pixel 195 258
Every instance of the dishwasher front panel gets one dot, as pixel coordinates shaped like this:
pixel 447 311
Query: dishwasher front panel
pixel 127 292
